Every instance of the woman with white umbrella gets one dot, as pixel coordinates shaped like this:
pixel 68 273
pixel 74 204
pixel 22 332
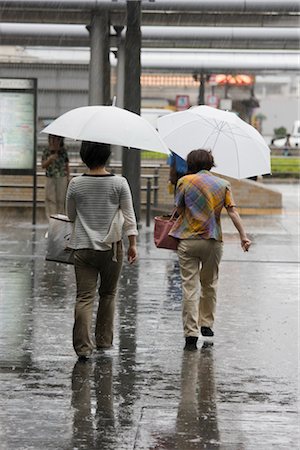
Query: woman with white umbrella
pixel 94 202
pixel 200 197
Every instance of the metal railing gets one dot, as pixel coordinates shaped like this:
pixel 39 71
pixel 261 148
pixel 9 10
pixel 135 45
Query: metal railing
pixel 151 187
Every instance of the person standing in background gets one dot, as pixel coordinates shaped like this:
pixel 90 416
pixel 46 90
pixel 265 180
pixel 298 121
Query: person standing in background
pixel 55 161
pixel 287 146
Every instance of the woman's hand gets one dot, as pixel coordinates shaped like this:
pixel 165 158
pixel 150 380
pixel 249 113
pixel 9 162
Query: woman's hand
pixel 245 243
pixel 132 254
pixel 237 222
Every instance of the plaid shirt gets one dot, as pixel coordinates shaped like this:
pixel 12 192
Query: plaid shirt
pixel 202 197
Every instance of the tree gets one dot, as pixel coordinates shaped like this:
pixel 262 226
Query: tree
pixel 280 132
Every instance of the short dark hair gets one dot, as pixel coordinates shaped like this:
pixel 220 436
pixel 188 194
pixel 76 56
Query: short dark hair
pixel 200 160
pixel 94 154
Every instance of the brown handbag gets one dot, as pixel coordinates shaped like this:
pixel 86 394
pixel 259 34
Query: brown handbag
pixel 162 227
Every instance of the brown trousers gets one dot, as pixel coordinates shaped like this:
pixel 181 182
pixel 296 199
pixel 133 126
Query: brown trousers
pixel 88 265
pixel 199 267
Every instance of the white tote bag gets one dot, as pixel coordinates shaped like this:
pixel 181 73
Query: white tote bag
pixel 59 234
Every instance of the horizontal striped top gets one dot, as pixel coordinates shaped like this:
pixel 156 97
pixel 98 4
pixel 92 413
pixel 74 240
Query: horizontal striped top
pixel 201 197
pixel 92 202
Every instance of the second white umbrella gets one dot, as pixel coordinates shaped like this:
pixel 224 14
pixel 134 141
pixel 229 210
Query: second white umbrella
pixel 239 150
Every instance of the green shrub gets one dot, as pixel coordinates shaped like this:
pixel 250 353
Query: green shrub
pixel 280 132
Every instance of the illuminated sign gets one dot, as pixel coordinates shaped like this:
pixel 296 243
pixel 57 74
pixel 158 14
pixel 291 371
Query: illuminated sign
pixel 182 102
pixel 233 80
pixel 213 101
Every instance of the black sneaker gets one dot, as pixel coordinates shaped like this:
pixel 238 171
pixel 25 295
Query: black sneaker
pixel 206 331
pixel 191 343
pixel 83 358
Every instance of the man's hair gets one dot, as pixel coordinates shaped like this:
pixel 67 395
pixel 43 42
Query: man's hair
pixel 200 160
pixel 94 154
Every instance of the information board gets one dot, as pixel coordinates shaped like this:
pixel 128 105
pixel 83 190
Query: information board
pixel 17 125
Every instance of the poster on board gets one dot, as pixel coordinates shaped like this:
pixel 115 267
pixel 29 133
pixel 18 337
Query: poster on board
pixel 17 125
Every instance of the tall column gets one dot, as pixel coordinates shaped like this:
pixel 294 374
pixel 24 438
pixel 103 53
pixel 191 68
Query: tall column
pixel 132 97
pixel 116 149
pixel 99 70
pixel 120 68
pixel 201 98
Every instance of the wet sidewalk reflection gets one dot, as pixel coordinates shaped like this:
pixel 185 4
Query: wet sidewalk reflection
pixel 93 423
pixel 237 392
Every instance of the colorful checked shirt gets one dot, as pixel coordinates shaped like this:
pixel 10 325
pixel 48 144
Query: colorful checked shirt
pixel 202 197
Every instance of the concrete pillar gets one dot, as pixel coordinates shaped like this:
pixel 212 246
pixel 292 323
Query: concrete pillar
pixel 99 70
pixel 120 68
pixel 201 98
pixel 117 151
pixel 132 97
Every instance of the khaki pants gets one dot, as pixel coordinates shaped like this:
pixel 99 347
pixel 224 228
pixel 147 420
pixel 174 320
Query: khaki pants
pixel 55 195
pixel 88 265
pixel 199 266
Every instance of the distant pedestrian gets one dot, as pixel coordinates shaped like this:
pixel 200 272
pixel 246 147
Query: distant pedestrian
pixel 56 162
pixel 178 169
pixel 94 202
pixel 200 197
pixel 287 146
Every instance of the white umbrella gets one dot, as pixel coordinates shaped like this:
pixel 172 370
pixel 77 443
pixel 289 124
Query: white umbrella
pixel 110 125
pixel 239 150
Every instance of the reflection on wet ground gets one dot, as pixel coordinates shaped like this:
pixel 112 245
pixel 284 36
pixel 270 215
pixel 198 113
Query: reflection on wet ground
pixel 237 392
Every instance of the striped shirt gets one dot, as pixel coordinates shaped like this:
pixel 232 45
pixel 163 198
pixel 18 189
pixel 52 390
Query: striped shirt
pixel 92 202
pixel 202 197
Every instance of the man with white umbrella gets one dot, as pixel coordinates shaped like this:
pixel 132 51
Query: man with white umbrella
pixel 200 197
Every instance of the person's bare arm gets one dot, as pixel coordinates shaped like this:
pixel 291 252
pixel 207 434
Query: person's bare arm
pixel 47 162
pixel 130 227
pixel 173 177
pixel 68 170
pixel 237 222
pixel 132 250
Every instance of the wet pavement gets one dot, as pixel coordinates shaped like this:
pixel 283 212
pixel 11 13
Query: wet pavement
pixel 238 392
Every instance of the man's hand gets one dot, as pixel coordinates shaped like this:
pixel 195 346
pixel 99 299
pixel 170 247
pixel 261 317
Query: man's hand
pixel 132 254
pixel 245 243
